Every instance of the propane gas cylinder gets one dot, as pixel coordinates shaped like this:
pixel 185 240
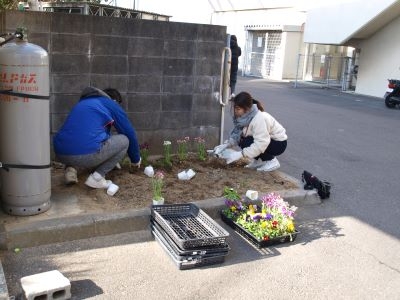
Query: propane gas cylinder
pixel 25 180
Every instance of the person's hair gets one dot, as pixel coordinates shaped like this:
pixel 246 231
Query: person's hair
pixel 114 94
pixel 246 101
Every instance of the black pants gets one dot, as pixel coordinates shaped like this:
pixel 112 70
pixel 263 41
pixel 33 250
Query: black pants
pixel 274 148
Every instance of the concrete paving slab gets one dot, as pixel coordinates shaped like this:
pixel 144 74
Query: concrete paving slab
pixel 65 221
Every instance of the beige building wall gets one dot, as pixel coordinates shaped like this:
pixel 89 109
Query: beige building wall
pixel 379 60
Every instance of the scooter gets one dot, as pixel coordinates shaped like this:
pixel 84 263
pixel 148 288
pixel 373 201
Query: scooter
pixel 392 95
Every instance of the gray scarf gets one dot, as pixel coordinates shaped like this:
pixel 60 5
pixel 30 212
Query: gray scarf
pixel 241 122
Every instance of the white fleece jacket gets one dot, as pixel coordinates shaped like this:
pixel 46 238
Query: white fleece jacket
pixel 262 128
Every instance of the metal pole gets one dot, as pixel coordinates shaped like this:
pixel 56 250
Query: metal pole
pixel 297 69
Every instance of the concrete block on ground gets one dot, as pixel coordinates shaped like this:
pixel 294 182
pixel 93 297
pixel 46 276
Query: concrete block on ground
pixel 3 285
pixel 48 285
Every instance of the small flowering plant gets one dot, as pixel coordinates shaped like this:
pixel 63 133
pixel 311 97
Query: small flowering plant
pixel 273 218
pixel 167 154
pixel 183 148
pixel 157 184
pixel 201 148
pixel 144 153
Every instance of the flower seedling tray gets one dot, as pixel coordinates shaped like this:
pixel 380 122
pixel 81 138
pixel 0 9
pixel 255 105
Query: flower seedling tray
pixel 258 242
pixel 190 261
pixel 220 249
pixel 188 225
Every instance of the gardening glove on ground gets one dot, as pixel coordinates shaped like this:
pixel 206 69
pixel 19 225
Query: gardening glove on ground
pixel 233 156
pixel 218 149
pixel 137 164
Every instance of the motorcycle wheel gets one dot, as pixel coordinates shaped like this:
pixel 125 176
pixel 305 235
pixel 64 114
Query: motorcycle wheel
pixel 389 103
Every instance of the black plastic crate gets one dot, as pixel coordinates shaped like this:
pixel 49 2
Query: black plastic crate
pixel 258 242
pixel 187 262
pixel 188 225
pixel 220 249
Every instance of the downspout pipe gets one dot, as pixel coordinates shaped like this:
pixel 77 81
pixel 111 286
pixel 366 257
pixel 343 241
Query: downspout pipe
pixel 224 85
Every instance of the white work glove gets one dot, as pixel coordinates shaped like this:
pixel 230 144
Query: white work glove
pixel 218 149
pixel 137 164
pixel 233 156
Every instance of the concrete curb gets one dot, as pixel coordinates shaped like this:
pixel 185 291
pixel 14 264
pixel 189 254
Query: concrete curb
pixel 91 225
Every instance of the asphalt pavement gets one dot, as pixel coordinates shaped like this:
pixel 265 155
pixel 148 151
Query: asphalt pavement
pixel 348 246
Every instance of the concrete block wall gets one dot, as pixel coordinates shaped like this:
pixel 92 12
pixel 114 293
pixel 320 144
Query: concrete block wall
pixel 167 72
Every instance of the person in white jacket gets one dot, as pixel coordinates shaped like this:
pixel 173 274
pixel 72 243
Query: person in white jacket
pixel 260 136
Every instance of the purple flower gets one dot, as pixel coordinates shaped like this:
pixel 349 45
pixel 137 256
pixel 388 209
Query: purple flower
pixel 269 217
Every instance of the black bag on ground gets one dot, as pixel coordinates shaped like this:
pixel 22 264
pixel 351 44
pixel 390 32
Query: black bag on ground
pixel 312 182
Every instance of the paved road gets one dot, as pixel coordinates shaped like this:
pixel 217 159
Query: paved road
pixel 349 245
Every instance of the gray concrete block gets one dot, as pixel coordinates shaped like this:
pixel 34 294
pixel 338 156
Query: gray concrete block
pixel 65 83
pixel 112 26
pixel 179 49
pixel 34 21
pixel 47 285
pixel 178 85
pixel 212 33
pixel 116 65
pixel 181 31
pixel 71 23
pixel 211 118
pixel 70 43
pixel 207 50
pixel 102 81
pixel 145 66
pixel 109 45
pixel 145 47
pixel 145 120
pixel 144 103
pixel 144 84
pixel 69 63
pixel 175 120
pixel 177 103
pixel 178 67
pixel 203 85
pixel 205 102
pixel 62 103
pixel 154 29
pixel 208 67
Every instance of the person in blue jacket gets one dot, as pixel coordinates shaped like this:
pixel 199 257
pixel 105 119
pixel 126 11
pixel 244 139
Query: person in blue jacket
pixel 85 138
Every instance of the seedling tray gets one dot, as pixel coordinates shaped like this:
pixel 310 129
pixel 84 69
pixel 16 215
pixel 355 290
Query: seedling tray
pixel 221 249
pixel 188 225
pixel 187 262
pixel 258 242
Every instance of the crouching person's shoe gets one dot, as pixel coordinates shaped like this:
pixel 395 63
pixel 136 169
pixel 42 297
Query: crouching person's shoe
pixel 70 176
pixel 255 163
pixel 97 181
pixel 270 165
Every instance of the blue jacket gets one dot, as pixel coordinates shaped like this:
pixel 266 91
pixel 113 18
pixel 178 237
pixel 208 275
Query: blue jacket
pixel 88 125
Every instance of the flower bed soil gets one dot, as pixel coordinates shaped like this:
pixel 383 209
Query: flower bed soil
pixel 212 175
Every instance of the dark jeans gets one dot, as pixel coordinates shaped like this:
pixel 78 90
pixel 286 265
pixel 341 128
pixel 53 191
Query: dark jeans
pixel 274 148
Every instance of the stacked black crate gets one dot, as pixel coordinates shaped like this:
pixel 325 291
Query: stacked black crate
pixel 188 235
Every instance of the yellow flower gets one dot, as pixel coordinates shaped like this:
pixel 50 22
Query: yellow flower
pixel 233 208
pixel 263 224
pixel 290 226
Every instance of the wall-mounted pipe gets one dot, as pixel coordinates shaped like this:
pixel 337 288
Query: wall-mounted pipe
pixel 224 85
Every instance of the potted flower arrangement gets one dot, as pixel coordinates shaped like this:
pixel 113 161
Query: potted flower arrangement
pixel 157 184
pixel 264 224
